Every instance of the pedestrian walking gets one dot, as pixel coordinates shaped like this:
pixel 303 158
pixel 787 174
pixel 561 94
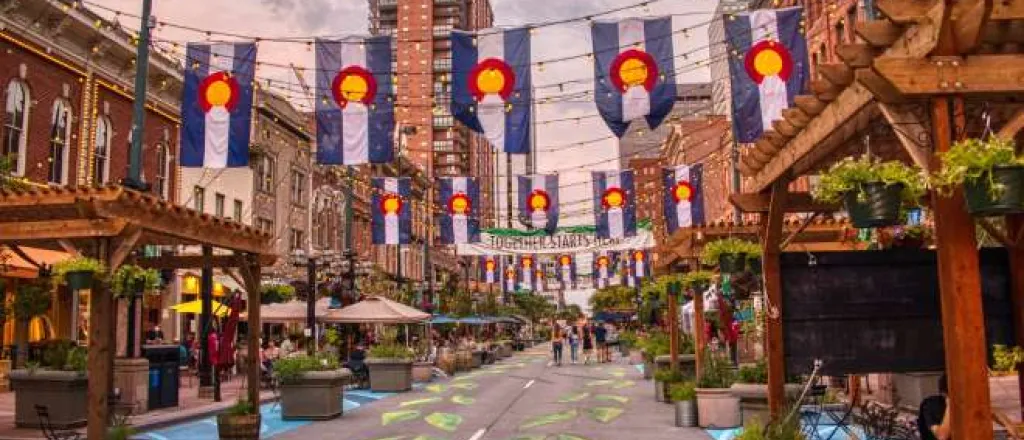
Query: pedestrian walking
pixel 588 343
pixel 600 338
pixel 556 344
pixel 574 343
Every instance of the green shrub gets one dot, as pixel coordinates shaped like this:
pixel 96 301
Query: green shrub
pixel 851 174
pixel 1006 358
pixel 716 373
pixel 668 375
pixel 391 351
pixel 973 159
pixel 241 408
pixel 290 368
pixel 714 249
pixel 30 301
pixel 276 293
pixel 682 391
pixel 130 279
pixel 76 264
pixel 787 429
pixel 698 278
pixel 757 373
pixel 64 355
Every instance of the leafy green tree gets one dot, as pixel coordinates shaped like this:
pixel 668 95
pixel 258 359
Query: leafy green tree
pixel 534 307
pixel 612 297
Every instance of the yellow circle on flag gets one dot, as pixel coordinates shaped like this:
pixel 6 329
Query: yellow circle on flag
pixel 391 205
pixel 614 199
pixel 490 81
pixel 460 205
pixel 538 202
pixel 633 72
pixel 218 93
pixel 768 62
pixel 683 192
pixel 354 88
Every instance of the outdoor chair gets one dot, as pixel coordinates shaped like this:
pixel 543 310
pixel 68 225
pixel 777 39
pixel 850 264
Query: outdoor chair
pixel 48 431
pixel 815 414
pixel 1014 430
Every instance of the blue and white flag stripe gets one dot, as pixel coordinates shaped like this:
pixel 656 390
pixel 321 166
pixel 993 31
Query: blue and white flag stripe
pixel 567 272
pixel 358 132
pixel 508 274
pixel 459 227
pixel 217 137
pixel 531 190
pixel 391 227
pixel 603 274
pixel 504 121
pixel 615 214
pixel 680 211
pixel 618 107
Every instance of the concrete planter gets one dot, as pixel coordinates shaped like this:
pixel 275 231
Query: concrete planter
pixel 63 393
pixel 390 375
pixel 687 364
pixel 238 427
pixel 648 367
pixel 505 350
pixel 422 371
pixel 636 357
pixel 463 360
pixel 314 395
pixel 718 408
pixel 478 358
pixel 754 399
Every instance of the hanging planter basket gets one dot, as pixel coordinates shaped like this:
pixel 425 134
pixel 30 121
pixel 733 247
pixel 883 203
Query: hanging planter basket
pixel 880 207
pixel 1009 200
pixel 732 263
pixel 754 265
pixel 79 280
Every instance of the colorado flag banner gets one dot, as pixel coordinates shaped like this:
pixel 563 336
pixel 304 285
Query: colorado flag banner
pixel 614 204
pixel 772 70
pixel 604 268
pixel 684 196
pixel 538 200
pixel 639 264
pixel 635 71
pixel 528 272
pixel 392 215
pixel 491 85
pixel 216 105
pixel 459 223
pixel 490 269
pixel 509 279
pixel 355 117
pixel 567 271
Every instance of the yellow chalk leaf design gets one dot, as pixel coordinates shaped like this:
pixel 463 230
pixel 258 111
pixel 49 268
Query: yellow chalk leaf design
pixel 605 414
pixel 398 416
pixel 420 401
pixel 444 421
pixel 573 397
pixel 612 398
pixel 462 400
pixel 549 419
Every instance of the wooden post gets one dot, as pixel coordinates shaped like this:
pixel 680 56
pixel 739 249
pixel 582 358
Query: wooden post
pixel 251 274
pixel 1013 225
pixel 771 270
pixel 101 364
pixel 673 322
pixel 960 293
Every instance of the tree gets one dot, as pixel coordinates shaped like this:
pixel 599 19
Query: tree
pixel 612 297
pixel 571 311
pixel 276 293
pixel 534 307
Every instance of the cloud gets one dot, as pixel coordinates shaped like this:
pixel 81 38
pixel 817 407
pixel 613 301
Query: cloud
pixel 314 16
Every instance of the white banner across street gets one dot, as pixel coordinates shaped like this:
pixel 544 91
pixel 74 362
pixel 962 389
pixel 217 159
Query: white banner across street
pixel 559 243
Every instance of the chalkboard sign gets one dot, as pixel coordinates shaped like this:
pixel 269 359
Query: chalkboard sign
pixel 878 311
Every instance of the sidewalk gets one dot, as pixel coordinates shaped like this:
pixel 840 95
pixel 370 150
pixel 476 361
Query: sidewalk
pixel 189 407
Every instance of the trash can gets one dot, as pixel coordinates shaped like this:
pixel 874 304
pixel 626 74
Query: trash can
pixel 163 375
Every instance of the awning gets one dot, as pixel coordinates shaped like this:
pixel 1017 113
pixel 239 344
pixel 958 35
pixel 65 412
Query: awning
pixel 292 311
pixel 376 310
pixel 15 266
pixel 474 320
pixel 196 307
pixel 442 319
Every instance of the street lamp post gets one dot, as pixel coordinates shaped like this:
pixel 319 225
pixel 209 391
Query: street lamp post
pixel 134 178
pixel 301 259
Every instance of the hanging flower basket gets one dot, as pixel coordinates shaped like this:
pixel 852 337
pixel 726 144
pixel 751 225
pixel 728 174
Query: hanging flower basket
pixel 998 192
pixel 877 205
pixel 754 265
pixel 732 263
pixel 79 279
pixel 77 272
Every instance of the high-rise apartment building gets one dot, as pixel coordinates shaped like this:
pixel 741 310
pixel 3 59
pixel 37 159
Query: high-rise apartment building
pixel 422 62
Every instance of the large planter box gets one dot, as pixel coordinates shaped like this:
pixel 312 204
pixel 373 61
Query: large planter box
pixel 314 395
pixel 390 375
pixel 463 360
pixel 63 393
pixel 687 364
pixel 754 399
pixel 505 350
pixel 478 358
pixel 231 427
pixel 422 371
pixel 718 408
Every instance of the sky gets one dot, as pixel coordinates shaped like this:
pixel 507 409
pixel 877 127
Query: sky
pixel 327 18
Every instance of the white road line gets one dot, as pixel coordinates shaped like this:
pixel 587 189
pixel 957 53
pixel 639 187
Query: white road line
pixel 478 434
pixel 528 384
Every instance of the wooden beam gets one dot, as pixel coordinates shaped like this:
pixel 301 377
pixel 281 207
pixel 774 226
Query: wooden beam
pixel 1007 10
pixel 196 261
pixel 759 155
pixel 766 146
pixel 810 104
pixel 69 247
pixel 882 89
pixel 824 90
pixel 967 23
pixel 775 138
pixel 100 353
pixel 795 202
pixel 24 256
pixel 905 11
pixel 190 229
pixel 963 320
pixel 912 133
pixel 793 234
pixel 992 230
pixel 1016 254
pixel 784 128
pixel 772 273
pixel 1013 126
pixel 839 75
pixel 857 56
pixel 879 33
pixel 796 117
pixel 992 73
pixel 58 229
pixel 251 274
pixel 123 245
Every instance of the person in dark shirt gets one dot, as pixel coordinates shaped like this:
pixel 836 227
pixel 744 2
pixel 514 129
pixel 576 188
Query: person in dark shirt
pixel 933 415
pixel 600 338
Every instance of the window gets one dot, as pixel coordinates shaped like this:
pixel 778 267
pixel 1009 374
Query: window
pixel 218 205
pixel 198 198
pixel 296 239
pixel 265 174
pixel 60 133
pixel 298 187
pixel 163 169
pixel 265 225
pixel 237 212
pixel 15 125
pixel 101 157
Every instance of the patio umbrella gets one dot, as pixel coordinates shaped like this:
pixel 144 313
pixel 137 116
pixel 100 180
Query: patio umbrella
pixel 443 319
pixel 474 320
pixel 376 310
pixel 196 307
pixel 291 311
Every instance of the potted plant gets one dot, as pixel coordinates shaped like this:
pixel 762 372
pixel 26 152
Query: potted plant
pixel 663 381
pixel 716 405
pixel 729 254
pixel 911 237
pixel 423 369
pixel 58 382
pixel 30 300
pixel 653 345
pixel 684 395
pixel 390 368
pixel 871 191
pixel 698 281
pixel 990 171
pixel 77 272
pixel 130 279
pixel 241 421
pixel 311 387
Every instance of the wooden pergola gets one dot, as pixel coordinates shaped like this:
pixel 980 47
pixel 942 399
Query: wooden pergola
pixel 109 224
pixel 922 78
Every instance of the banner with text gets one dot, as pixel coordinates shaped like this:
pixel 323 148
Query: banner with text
pixel 565 241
